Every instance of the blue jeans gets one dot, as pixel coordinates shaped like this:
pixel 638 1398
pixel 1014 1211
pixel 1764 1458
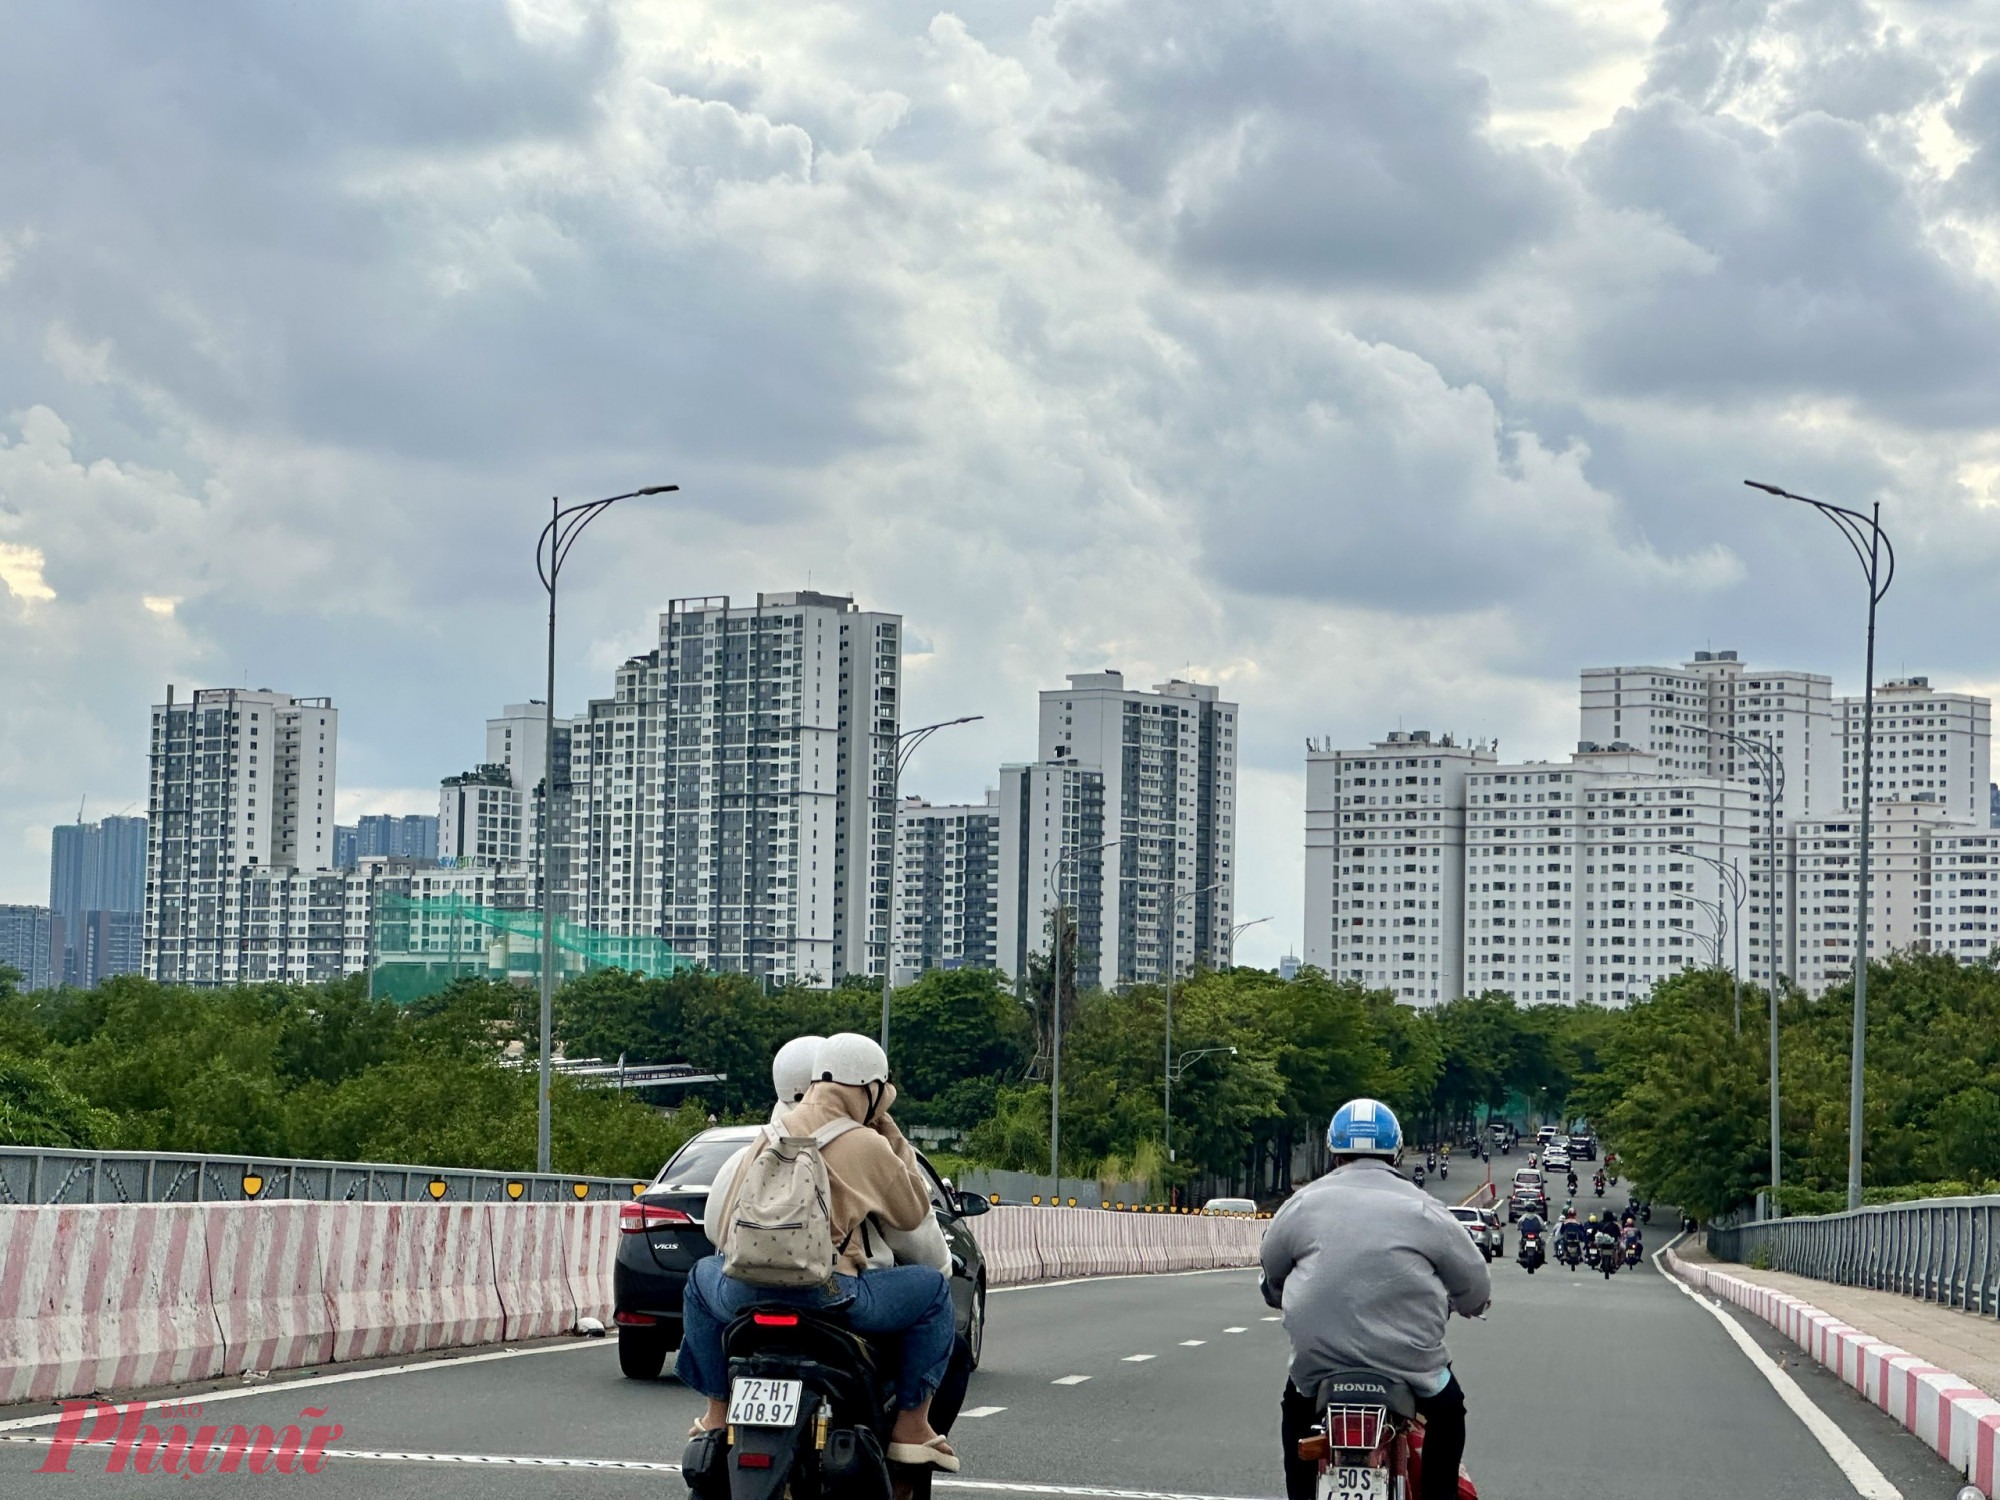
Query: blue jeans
pixel 914 1301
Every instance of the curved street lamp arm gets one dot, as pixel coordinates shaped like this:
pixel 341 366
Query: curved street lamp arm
pixel 566 524
pixel 1864 534
pixel 909 739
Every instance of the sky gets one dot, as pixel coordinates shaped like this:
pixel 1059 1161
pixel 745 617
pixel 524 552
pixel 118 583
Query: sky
pixel 1382 361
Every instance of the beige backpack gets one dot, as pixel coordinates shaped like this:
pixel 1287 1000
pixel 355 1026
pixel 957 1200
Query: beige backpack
pixel 777 1227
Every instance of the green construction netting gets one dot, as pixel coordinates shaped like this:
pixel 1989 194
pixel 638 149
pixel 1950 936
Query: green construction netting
pixel 423 943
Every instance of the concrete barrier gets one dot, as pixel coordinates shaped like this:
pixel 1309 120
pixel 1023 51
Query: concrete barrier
pixel 1959 1422
pixel 121 1297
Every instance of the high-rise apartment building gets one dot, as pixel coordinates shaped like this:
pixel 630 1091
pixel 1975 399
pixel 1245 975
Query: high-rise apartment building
pixel 239 779
pixel 27 940
pixel 1169 759
pixel 1595 879
pixel 1385 863
pixel 1929 746
pixel 482 817
pixel 1965 892
pixel 739 799
pixel 947 886
pixel 1054 829
pixel 388 836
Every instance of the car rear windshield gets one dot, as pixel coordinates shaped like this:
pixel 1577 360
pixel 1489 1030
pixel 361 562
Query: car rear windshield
pixel 698 1162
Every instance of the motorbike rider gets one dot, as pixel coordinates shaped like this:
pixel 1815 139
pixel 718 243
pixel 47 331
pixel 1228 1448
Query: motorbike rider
pixel 1570 1230
pixel 881 1214
pixel 1531 1230
pixel 1366 1271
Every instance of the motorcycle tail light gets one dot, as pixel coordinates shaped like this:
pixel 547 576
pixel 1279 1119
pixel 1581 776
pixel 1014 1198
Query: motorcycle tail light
pixel 753 1460
pixel 775 1320
pixel 1352 1427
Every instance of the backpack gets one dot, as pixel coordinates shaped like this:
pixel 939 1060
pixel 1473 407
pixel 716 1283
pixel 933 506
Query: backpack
pixel 777 1227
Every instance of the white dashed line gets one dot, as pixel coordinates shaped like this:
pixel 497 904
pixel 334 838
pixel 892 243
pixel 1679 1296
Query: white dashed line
pixel 1275 1318
pixel 1238 1329
pixel 1069 1380
pixel 1192 1343
pixel 1137 1359
pixel 983 1411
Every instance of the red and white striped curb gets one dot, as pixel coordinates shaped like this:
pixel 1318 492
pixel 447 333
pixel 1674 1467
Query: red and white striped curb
pixel 1959 1421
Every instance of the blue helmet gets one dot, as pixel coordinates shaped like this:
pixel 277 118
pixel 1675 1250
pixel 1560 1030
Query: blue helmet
pixel 1365 1127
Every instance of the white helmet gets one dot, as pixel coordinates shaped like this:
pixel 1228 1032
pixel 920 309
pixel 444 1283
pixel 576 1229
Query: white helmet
pixel 849 1057
pixel 792 1068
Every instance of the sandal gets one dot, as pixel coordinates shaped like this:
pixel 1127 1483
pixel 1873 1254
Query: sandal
pixel 936 1452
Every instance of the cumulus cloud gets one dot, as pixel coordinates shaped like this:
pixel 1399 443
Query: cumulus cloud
pixel 1385 362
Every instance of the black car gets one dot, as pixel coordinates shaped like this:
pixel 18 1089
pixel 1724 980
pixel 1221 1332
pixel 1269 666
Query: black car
pixel 661 1238
pixel 1583 1147
pixel 1526 1202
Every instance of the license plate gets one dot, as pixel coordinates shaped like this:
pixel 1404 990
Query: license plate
pixel 763 1403
pixel 1338 1483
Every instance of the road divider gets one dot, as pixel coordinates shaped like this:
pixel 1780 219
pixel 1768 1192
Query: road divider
pixel 126 1297
pixel 1959 1422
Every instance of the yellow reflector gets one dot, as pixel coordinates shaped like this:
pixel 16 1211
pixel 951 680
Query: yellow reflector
pixel 514 1189
pixel 581 1189
pixel 437 1187
pixel 252 1184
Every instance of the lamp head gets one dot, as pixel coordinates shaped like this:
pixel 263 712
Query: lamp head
pixel 658 489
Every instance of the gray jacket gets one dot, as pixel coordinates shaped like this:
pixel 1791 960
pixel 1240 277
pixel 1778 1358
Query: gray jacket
pixel 1365 1264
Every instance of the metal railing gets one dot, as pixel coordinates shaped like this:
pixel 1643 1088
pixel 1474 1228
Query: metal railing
pixel 1938 1250
pixel 32 1175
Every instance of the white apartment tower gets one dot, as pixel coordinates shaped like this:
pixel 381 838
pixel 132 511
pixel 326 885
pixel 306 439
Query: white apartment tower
pixel 482 818
pixel 1169 761
pixel 1929 747
pixel 1052 837
pixel 1592 881
pixel 238 780
pixel 740 799
pixel 1385 863
pixel 947 886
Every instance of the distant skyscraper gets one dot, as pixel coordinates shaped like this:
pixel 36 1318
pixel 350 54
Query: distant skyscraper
pixel 240 780
pixel 947 886
pixel 345 840
pixel 93 868
pixel 25 945
pixel 412 836
pixel 1052 846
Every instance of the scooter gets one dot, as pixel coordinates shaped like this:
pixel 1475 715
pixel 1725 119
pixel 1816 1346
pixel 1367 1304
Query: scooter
pixel 1531 1253
pixel 1417 1176
pixel 1633 1250
pixel 1607 1255
pixel 1444 1170
pixel 1569 1252
pixel 1369 1441
pixel 1598 1183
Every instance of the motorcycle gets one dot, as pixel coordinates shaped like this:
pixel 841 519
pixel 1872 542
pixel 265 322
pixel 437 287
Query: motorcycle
pixel 1598 1183
pixel 1569 1252
pixel 811 1406
pixel 1444 1170
pixel 1369 1442
pixel 1431 1160
pixel 1607 1255
pixel 1645 1213
pixel 1632 1252
pixel 1531 1253
pixel 1506 1148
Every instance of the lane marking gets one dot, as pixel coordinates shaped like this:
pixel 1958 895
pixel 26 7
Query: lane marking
pixel 1275 1318
pixel 983 1411
pixel 1137 1359
pixel 416 1367
pixel 1238 1329
pixel 1859 1470
pixel 1080 1379
pixel 1040 1286
pixel 530 1461
pixel 1192 1343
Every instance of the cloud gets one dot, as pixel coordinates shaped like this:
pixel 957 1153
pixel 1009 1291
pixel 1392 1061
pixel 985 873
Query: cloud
pixel 1386 362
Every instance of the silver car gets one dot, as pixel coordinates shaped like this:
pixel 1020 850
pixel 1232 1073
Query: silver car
pixel 1484 1235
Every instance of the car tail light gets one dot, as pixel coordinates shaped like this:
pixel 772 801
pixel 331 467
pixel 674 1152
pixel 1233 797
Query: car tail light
pixel 1354 1427
pixel 775 1320
pixel 639 1218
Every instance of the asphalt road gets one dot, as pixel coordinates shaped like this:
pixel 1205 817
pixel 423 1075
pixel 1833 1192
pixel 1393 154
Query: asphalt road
pixel 1166 1384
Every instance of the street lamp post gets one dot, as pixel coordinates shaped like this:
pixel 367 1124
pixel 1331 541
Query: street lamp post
pixel 1877 557
pixel 566 523
pixel 1167 1098
pixel 1773 766
pixel 905 746
pixel 1730 877
pixel 1236 932
pixel 1066 853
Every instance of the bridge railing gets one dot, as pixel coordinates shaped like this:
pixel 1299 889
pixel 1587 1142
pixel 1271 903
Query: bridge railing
pixel 1938 1250
pixel 42 1175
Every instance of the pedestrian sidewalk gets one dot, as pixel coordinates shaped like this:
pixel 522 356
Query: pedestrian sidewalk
pixel 1962 1342
pixel 1916 1362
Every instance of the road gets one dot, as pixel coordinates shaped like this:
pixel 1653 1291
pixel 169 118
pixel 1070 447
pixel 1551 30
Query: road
pixel 1168 1384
